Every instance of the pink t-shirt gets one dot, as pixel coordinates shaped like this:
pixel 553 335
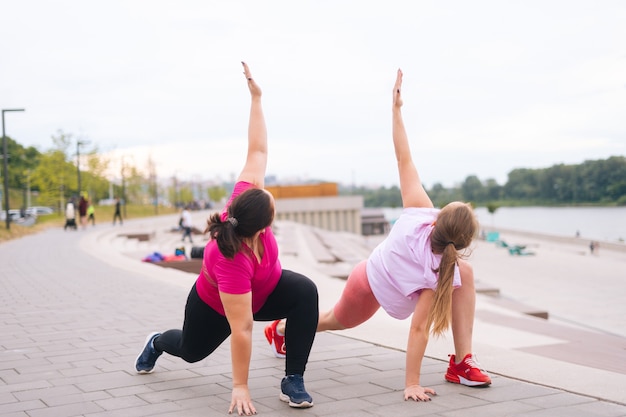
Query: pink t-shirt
pixel 402 265
pixel 243 273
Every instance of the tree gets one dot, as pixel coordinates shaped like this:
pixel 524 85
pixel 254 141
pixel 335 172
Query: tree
pixel 491 208
pixel 440 196
pixel 153 186
pixel 185 193
pixel 62 143
pixel 472 189
pixel 492 191
pixel 20 160
pixel 135 185
pixel 216 193
pixel 53 177
pixel 521 185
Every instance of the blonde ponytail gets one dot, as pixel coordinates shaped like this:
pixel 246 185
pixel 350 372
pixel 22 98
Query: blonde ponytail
pixel 455 228
pixel 440 314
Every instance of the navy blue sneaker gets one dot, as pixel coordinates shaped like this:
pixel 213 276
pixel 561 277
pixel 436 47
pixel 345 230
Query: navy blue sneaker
pixel 292 391
pixel 147 358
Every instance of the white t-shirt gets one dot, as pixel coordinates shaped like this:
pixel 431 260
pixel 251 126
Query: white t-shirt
pixel 186 215
pixel 402 265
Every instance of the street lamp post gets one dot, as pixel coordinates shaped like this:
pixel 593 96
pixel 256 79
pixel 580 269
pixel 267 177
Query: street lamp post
pixel 78 145
pixel 123 171
pixel 5 163
pixel 27 189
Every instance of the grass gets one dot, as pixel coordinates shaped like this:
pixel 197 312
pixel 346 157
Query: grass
pixel 102 213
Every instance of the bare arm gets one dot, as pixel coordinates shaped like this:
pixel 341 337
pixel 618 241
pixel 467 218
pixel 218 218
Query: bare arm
pixel 238 308
pixel 256 159
pixel 418 339
pixel 413 193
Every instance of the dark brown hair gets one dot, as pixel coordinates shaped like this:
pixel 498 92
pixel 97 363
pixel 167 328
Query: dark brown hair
pixel 249 212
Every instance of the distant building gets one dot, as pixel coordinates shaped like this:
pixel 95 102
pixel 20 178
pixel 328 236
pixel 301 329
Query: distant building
pixel 322 189
pixel 320 205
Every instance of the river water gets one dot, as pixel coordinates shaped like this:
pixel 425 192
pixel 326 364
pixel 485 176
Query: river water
pixel 606 224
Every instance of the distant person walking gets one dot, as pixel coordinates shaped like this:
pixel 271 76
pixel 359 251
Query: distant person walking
pixel 91 214
pixel 242 281
pixel 82 211
pixel 118 211
pixel 417 270
pixel 186 223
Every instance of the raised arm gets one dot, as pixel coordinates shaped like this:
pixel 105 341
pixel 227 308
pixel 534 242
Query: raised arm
pixel 413 193
pixel 256 159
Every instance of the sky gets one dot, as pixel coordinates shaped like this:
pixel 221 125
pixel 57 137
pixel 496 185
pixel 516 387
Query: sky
pixel 489 86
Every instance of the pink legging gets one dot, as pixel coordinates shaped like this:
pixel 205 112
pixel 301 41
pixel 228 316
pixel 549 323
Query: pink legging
pixel 357 303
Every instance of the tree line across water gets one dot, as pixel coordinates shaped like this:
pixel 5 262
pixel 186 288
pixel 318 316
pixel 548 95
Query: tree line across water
pixel 593 182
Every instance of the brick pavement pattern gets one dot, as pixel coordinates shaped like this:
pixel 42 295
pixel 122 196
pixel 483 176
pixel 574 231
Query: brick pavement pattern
pixel 71 326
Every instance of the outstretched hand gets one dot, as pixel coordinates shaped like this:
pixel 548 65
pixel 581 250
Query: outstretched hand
pixel 418 393
pixel 397 97
pixel 241 402
pixel 255 90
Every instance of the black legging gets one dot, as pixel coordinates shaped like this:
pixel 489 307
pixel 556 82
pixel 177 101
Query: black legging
pixel 204 329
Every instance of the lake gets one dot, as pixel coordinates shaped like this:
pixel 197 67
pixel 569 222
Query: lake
pixel 598 223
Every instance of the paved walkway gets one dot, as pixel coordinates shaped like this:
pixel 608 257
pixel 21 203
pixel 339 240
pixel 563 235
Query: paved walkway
pixel 75 308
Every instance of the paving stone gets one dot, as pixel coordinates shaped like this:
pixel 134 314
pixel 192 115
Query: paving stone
pixel 493 409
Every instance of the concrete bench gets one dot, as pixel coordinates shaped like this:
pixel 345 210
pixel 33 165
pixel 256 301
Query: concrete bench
pixel 141 237
pixel 192 265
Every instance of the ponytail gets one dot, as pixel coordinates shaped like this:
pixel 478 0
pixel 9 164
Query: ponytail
pixel 440 314
pixel 454 231
pixel 248 213
pixel 228 242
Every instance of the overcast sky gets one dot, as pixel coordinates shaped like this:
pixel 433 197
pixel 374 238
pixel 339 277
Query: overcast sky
pixel 489 86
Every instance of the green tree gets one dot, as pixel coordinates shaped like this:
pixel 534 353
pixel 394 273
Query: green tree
pixel 491 208
pixel 521 184
pixel 605 179
pixel 492 190
pixel 472 189
pixel 21 160
pixel 53 177
pixel 94 179
pixel 136 186
pixel 186 194
pixel 440 196
pixel 62 142
pixel 216 193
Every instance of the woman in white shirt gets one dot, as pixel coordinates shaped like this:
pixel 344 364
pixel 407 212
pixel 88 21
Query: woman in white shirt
pixel 417 270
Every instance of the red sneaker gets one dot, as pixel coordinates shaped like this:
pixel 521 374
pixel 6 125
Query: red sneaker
pixel 276 341
pixel 467 372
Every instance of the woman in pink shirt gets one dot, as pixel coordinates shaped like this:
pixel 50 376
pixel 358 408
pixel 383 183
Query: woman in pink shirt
pixel 417 270
pixel 242 281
